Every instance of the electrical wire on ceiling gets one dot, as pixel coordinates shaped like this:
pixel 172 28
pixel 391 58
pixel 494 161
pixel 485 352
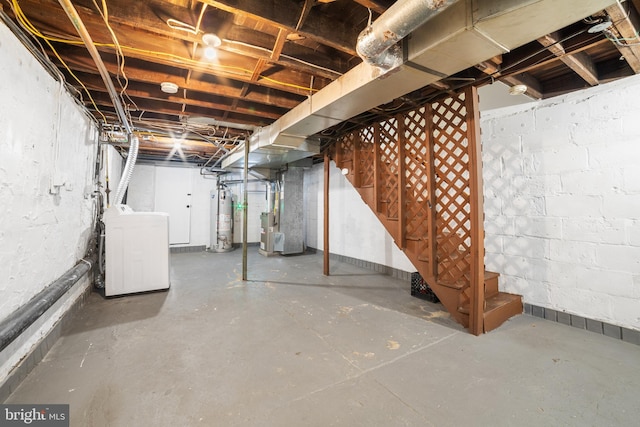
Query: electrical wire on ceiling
pixel 197 29
pixel 622 41
pixel 292 58
pixel 30 28
pixel 104 13
pixel 231 70
pixel 174 24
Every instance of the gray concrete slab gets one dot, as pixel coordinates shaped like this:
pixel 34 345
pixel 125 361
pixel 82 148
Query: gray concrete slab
pixel 292 347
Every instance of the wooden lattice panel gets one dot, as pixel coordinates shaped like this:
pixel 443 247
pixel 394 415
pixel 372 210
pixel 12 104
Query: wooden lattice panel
pixel 345 149
pixel 367 168
pixel 420 172
pixel 417 210
pixel 388 176
pixel 453 194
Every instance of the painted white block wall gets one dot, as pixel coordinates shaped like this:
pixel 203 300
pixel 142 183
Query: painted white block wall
pixel 141 197
pixel 354 230
pixel 562 201
pixel 46 179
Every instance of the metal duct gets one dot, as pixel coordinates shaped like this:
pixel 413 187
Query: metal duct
pixel 377 43
pixel 464 34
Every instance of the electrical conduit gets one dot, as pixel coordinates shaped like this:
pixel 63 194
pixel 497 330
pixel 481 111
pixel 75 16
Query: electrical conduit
pixel 72 13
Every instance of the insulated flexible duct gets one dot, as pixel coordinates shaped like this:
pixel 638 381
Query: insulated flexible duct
pixel 128 168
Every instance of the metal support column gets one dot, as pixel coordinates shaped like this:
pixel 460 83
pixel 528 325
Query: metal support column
pixel 326 213
pixel 245 201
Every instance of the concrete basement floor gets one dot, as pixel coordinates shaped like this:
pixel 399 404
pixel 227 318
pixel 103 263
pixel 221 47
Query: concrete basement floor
pixel 294 348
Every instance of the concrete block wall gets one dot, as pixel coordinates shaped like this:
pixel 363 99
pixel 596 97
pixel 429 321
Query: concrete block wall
pixel 562 201
pixel 354 230
pixel 49 148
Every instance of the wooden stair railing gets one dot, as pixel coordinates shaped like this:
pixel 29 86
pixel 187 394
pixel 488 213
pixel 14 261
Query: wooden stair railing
pixel 421 174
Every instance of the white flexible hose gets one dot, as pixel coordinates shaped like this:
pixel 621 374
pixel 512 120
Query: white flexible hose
pixel 128 169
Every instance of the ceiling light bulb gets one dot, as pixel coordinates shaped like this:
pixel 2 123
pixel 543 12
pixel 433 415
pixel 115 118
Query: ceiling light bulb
pixel 604 25
pixel 345 171
pixel 210 52
pixel 517 89
pixel 168 87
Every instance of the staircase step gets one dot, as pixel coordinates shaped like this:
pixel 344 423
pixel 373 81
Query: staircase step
pixel 498 308
pixel 453 285
pixel 490 283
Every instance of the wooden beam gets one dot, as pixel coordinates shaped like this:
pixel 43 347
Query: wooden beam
pixel 102 100
pixel 170 51
pixel 94 83
pixel 275 54
pixel 530 57
pixel 378 6
pixel 579 62
pixel 627 27
pixel 256 44
pixel 142 71
pixel 534 88
pixel 328 30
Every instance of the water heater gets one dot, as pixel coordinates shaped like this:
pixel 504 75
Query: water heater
pixel 222 220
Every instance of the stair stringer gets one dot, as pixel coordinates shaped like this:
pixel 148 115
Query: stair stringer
pixel 448 296
pixel 420 172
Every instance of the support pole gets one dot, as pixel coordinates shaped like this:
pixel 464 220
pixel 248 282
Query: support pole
pixel 245 201
pixel 326 213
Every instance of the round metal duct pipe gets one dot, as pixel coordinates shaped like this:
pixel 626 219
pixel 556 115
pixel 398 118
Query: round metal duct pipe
pixel 377 44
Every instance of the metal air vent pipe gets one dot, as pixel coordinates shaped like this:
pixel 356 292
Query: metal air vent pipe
pixel 72 13
pixel 377 44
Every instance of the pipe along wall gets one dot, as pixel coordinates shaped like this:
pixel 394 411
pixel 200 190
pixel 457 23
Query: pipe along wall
pixel 25 316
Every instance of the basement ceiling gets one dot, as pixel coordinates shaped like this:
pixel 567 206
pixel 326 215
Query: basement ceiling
pixel 272 55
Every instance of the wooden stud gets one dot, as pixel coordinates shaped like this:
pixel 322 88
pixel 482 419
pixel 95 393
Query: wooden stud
pixel 431 200
pixel 476 318
pixel 402 180
pixel 357 181
pixel 377 185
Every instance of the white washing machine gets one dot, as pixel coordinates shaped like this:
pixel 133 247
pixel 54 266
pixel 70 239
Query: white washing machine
pixel 136 251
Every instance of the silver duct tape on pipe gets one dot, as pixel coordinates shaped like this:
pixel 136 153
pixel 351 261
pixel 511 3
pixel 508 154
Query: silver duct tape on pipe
pixel 376 41
pixel 23 317
pixel 72 13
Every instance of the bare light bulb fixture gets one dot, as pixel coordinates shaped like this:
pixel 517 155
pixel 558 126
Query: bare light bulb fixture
pixel 518 89
pixel 168 87
pixel 211 42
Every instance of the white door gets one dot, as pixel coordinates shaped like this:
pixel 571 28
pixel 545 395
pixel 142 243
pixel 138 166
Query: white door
pixel 173 196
